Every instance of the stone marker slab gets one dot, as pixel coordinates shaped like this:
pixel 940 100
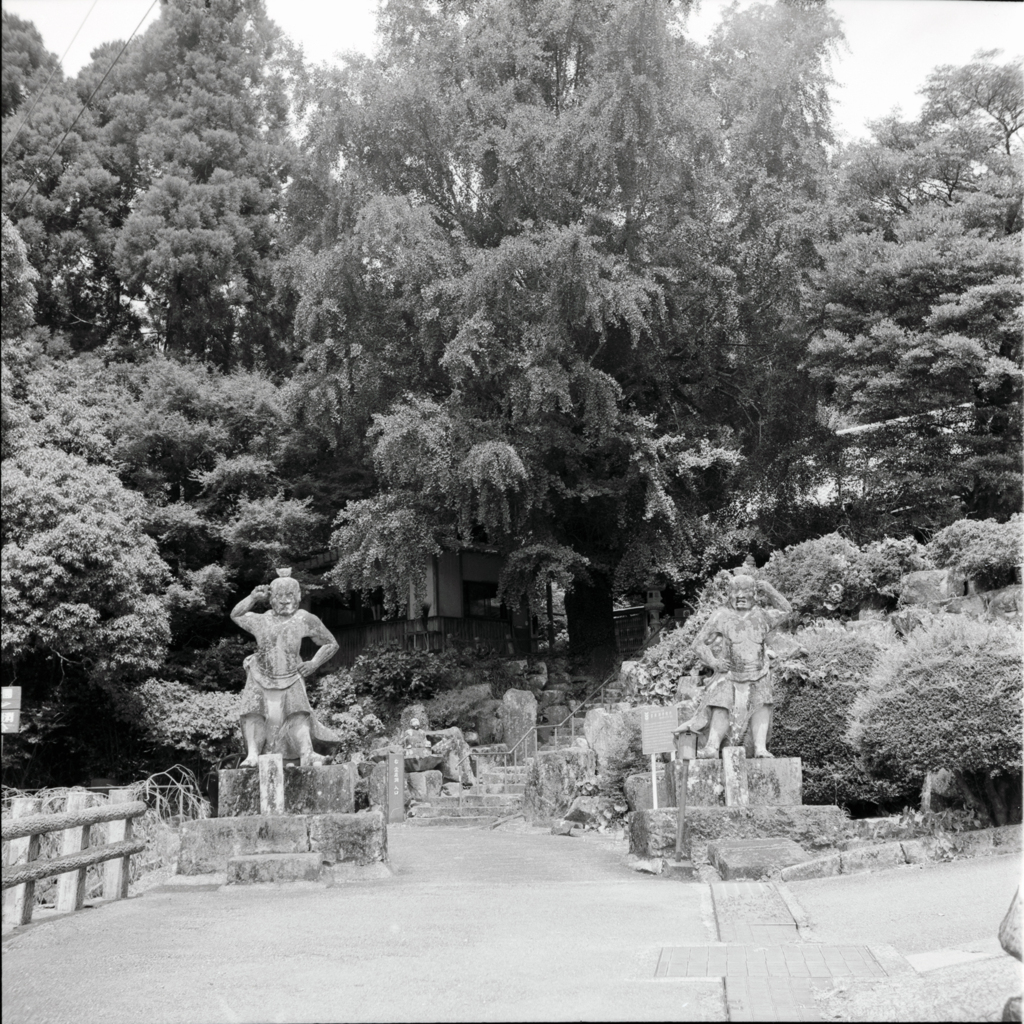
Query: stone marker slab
pixel 312 789
pixel 753 858
pixel 271 770
pixel 734 776
pixel 207 844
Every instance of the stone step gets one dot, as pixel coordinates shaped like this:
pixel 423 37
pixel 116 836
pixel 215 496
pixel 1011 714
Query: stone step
pixel 496 800
pixel 273 867
pixel 458 821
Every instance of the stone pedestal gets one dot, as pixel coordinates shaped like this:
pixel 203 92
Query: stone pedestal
pixel 314 789
pixel 734 775
pixel 282 844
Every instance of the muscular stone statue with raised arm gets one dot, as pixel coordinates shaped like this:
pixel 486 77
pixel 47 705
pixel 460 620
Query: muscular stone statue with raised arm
pixel 276 715
pixel 740 692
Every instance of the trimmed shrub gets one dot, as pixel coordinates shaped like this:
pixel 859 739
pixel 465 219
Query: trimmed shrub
pixel 831 576
pixel 984 551
pixel 813 699
pixel 949 697
pixel 337 705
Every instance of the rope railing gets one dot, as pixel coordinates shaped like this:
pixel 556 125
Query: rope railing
pixel 24 828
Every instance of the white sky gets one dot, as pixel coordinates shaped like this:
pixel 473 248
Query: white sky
pixel 892 44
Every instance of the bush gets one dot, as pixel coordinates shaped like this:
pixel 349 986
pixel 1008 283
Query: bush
pixel 392 676
pixel 831 576
pixel 334 699
pixel 950 697
pixel 813 698
pixel 984 551
pixel 451 708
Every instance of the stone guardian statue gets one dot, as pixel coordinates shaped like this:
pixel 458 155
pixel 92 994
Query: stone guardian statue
pixel 276 716
pixel 732 642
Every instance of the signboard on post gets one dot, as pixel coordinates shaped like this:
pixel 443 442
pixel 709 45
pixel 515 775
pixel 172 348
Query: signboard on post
pixel 396 786
pixel 656 725
pixel 11 709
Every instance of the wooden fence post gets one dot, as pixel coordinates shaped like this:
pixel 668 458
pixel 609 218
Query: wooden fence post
pixel 18 902
pixel 71 886
pixel 117 872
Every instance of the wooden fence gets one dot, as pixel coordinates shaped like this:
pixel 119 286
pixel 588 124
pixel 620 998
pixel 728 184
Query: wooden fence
pixel 24 827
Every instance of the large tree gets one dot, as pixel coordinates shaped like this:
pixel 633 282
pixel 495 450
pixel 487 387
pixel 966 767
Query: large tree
pixel 575 221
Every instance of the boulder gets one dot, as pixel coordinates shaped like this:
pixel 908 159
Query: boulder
pixel 638 791
pixel 518 715
pixel 451 788
pixel 753 858
pixel 608 732
pixel 585 810
pixel 451 745
pixel 549 697
pixel 350 838
pixel 554 780
pixel 1010 929
pixel 423 785
pixel 928 588
pixel 973 606
pixel 487 722
pixel 537 676
pixel 1005 605
pixel 556 714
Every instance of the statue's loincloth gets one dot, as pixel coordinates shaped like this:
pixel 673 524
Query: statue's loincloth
pixel 277 699
pixel 740 698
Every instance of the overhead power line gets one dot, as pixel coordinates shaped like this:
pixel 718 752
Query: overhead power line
pixel 46 84
pixel 85 105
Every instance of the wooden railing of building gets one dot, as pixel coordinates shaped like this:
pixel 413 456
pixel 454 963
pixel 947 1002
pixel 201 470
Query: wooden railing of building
pixel 24 827
pixel 423 634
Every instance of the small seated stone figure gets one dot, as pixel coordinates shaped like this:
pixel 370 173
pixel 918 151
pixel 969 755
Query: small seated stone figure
pixel 732 642
pixel 414 740
pixel 276 716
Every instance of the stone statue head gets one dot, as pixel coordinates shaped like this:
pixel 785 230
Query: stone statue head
pixel 414 723
pixel 285 593
pixel 742 592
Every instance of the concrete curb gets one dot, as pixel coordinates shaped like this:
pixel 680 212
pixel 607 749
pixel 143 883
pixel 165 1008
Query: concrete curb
pixel 983 843
pixel 799 915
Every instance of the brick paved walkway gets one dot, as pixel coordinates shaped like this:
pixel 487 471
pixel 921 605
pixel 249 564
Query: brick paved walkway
pixel 768 972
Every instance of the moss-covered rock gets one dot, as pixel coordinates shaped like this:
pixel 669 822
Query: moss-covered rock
pixel 553 782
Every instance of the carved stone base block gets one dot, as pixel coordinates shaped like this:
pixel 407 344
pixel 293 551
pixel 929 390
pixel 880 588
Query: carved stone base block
pixel 734 774
pixel 271 769
pixel 314 789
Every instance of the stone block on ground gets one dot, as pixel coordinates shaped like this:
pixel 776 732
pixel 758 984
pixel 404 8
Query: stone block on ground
pixel 549 697
pixel 556 714
pixel 638 791
pixel 653 833
pixel 553 782
pixel 518 714
pixel 585 810
pixel 423 785
pixel 872 858
pixel 238 792
pixel 774 781
pixel 273 867
pixel 451 788
pixel 312 789
pixel 208 843
pixel 609 732
pixel 753 858
pixel 350 838
pixel 819 867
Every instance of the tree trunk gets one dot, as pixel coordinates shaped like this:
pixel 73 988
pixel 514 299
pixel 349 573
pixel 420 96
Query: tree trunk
pixel 588 613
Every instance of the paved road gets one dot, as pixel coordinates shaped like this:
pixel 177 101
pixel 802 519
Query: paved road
pixel 475 925
pixel 915 909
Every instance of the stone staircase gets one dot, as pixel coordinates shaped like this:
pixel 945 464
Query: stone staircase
pixel 498 794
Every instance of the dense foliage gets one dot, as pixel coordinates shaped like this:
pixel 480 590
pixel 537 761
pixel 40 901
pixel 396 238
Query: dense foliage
pixel 813 698
pixel 987 552
pixel 549 277
pixel 950 697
